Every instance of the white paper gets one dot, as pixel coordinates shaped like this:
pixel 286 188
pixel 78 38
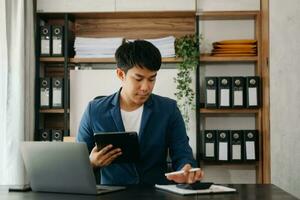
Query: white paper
pixel 252 95
pixel 238 98
pixel 56 101
pixel 223 150
pixel 212 189
pixel 44 97
pixel 211 96
pixel 250 150
pixel 45 47
pixel 57 44
pixel 224 99
pixel 236 152
pixel 209 149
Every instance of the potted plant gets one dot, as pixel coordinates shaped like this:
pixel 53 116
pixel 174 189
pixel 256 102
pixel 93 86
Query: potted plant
pixel 186 48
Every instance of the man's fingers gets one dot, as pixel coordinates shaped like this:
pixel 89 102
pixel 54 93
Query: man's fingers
pixel 199 175
pixel 110 153
pixel 105 149
pixel 190 177
pixel 106 161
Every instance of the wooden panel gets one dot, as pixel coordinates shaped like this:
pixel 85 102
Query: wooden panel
pixel 227 15
pixel 54 121
pixel 52 59
pixel 112 60
pixel 228 111
pixel 55 70
pixel 209 58
pixel 134 28
pixel 265 74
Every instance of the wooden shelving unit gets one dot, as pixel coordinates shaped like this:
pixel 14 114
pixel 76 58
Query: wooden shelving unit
pixel 260 114
pixel 141 25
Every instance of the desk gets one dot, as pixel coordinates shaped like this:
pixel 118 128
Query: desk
pixel 245 191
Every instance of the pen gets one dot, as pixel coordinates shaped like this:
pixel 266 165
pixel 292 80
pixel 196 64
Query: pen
pixel 181 171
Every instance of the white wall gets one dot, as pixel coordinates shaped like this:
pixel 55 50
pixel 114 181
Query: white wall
pixel 285 94
pixel 113 5
pixel 221 5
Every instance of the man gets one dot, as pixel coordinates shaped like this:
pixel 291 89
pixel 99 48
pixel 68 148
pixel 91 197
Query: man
pixel 156 119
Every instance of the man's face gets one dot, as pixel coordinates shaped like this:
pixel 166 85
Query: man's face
pixel 137 84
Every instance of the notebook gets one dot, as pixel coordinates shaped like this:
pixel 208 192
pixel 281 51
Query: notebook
pixel 61 167
pixel 213 189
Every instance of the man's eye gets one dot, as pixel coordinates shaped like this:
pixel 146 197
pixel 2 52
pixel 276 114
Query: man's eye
pixel 138 79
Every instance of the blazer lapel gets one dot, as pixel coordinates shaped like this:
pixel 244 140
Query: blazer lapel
pixel 116 113
pixel 145 117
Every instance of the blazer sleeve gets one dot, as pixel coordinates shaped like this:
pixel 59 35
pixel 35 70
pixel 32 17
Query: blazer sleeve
pixel 179 148
pixel 85 131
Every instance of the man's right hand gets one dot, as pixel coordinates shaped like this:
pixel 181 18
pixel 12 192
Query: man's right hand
pixel 103 157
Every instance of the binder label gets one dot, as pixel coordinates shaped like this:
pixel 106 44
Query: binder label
pixel 238 98
pixel 209 150
pixel 236 152
pixel 44 97
pixel 57 44
pixel 211 96
pixel 45 46
pixel 224 97
pixel 223 149
pixel 250 150
pixel 252 96
pixel 57 97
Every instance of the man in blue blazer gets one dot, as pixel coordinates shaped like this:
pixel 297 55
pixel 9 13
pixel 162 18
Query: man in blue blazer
pixel 156 119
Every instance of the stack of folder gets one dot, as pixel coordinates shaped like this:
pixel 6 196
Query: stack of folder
pixel 96 47
pixel 245 47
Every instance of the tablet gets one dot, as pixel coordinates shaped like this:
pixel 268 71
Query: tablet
pixel 127 141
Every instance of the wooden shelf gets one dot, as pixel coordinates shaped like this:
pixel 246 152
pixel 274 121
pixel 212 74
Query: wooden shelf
pixel 231 163
pixel 52 111
pixel 227 15
pixel 209 58
pixel 52 59
pixel 228 111
pixel 112 60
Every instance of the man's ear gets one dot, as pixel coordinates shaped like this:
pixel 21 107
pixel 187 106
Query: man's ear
pixel 121 74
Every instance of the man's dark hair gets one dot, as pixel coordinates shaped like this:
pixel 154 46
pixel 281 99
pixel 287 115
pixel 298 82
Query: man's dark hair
pixel 139 53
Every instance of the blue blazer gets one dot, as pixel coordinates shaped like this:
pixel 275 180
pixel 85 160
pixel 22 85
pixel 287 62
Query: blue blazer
pixel 162 128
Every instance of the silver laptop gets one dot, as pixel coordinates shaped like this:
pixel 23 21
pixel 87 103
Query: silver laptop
pixel 61 167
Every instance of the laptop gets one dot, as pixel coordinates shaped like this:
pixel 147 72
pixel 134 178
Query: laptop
pixel 61 167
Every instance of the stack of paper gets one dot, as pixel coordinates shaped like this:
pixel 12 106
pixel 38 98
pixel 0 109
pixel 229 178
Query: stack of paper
pixel 245 47
pixel 96 47
pixel 165 45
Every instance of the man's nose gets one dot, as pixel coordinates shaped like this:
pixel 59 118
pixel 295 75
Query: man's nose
pixel 145 86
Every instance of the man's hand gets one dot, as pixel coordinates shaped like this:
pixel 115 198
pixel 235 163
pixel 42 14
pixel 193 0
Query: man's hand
pixel 187 176
pixel 103 157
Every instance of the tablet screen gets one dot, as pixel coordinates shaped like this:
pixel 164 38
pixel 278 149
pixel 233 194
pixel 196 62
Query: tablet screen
pixel 127 141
